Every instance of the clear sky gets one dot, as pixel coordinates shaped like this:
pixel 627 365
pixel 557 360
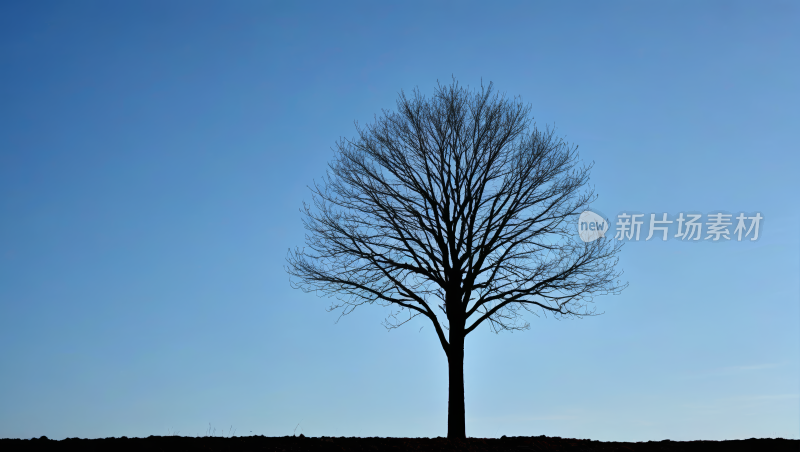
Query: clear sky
pixel 154 157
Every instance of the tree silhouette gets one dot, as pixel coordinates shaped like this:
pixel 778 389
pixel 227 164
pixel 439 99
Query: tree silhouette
pixel 455 208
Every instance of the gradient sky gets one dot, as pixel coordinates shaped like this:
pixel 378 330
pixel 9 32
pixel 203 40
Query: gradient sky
pixel 154 157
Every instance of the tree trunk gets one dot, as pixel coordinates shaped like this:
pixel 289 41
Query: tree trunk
pixel 456 417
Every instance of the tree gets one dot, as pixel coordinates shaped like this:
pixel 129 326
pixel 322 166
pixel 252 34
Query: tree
pixel 456 209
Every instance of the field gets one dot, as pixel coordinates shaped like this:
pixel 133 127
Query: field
pixel 324 444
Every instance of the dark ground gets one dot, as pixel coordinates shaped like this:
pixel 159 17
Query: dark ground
pixel 291 443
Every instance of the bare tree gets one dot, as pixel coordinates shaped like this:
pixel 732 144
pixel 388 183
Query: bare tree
pixel 455 208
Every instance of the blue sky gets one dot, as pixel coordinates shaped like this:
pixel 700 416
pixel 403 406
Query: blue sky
pixel 154 157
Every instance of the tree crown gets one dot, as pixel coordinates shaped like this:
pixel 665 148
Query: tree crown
pixel 455 208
